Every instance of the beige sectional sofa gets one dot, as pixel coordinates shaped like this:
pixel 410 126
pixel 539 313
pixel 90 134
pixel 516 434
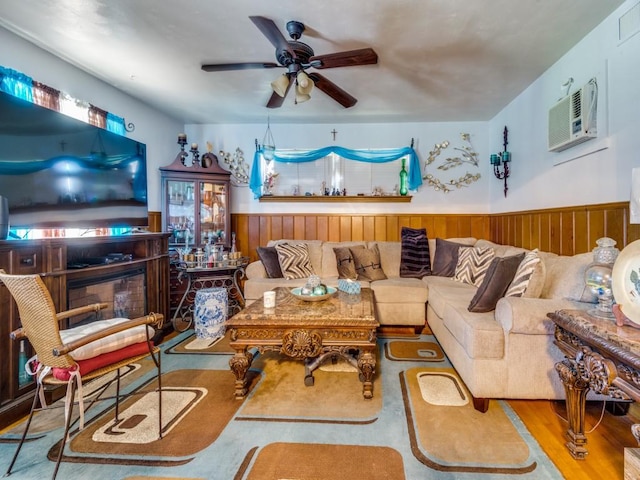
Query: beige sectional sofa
pixel 504 353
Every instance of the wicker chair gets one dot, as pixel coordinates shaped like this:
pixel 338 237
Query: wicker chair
pixel 40 326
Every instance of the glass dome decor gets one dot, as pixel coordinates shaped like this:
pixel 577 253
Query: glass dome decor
pixel 598 276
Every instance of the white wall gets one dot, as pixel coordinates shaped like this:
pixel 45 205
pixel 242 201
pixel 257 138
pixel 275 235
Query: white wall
pixel 155 129
pixel 582 174
pixel 471 199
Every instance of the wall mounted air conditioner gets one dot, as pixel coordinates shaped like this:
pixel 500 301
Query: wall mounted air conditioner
pixel 573 119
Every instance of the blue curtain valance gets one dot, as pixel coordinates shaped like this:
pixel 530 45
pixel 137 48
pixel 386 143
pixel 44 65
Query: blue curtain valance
pixel 16 84
pixel 369 156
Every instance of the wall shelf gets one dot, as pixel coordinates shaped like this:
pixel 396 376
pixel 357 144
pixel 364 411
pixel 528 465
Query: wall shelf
pixel 337 198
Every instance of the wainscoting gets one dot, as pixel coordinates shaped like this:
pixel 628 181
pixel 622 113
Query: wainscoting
pixel 566 230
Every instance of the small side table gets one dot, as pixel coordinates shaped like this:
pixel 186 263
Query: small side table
pixel 228 277
pixel 599 356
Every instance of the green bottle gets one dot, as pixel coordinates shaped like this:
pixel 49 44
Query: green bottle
pixel 403 178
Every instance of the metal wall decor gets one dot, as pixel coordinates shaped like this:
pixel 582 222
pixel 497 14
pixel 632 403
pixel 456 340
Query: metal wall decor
pixel 467 157
pixel 237 166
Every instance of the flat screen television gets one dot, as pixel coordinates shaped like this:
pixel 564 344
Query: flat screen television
pixel 60 172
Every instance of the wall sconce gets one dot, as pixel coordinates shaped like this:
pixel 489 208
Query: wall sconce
pixel 502 158
pixel 182 141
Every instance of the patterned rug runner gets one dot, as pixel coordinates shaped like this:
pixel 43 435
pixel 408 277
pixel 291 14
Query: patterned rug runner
pixel 279 461
pixel 281 393
pixel 189 396
pixel 450 435
pixel 194 345
pixel 399 350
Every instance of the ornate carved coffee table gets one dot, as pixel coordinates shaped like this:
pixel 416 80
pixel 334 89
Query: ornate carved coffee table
pixel 341 326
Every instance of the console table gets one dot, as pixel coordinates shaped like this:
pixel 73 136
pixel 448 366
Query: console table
pixel 599 356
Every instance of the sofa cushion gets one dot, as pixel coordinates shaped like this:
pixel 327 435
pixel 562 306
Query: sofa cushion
pixel 269 258
pixel 345 263
pixel 441 290
pixel 329 260
pixel 473 264
pixel 367 262
pixel 415 261
pixel 496 282
pixel 478 333
pixel 390 254
pixel 294 260
pixel 445 258
pixel 400 290
pixel 313 246
pixel 523 275
pixel 500 250
pixel 565 278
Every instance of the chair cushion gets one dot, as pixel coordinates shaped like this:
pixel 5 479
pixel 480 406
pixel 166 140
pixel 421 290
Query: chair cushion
pixel 111 343
pixel 91 364
pixel 269 258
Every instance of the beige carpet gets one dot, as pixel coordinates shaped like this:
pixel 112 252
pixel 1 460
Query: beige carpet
pixel 399 350
pixel 308 461
pixel 282 394
pixel 449 434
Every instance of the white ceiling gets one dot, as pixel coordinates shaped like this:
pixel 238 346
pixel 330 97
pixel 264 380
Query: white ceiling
pixel 439 60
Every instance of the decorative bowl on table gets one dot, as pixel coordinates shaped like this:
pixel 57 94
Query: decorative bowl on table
pixel 307 296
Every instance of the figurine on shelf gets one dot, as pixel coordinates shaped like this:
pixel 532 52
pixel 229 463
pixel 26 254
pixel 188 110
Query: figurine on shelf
pixel 270 183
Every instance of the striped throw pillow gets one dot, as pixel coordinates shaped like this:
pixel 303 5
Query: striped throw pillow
pixel 294 260
pixel 523 275
pixel 473 264
pixel 415 261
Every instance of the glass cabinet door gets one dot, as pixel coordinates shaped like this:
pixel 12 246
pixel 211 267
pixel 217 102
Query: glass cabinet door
pixel 213 213
pixel 181 214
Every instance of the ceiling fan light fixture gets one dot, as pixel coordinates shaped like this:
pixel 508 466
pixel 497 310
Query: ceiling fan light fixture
pixel 301 97
pixel 304 83
pixel 280 85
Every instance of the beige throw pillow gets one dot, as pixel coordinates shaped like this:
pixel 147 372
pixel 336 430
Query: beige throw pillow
pixel 367 263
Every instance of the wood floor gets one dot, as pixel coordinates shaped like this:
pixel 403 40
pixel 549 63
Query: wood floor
pixel 546 422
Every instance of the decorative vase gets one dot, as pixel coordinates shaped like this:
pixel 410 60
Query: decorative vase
pixel 598 276
pixel 403 178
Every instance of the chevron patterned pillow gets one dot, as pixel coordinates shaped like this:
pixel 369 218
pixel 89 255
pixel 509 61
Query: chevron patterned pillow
pixel 294 260
pixel 473 264
pixel 523 275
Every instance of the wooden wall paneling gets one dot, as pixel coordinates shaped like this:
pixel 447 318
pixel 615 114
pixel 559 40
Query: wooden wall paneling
pixel 616 221
pixel 555 232
pixel 597 226
pixel 357 226
pixel 526 231
pixel 334 229
pixel 311 226
pixel 322 227
pixel 345 228
pixel 581 236
pixel 299 227
pixel 567 226
pixel 380 229
pixel 287 227
pixel 369 228
pixel 387 227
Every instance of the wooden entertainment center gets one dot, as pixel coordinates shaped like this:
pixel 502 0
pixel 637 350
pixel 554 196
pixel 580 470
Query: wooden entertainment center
pixel 68 263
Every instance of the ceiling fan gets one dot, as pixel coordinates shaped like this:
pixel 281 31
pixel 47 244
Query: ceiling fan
pixel 297 57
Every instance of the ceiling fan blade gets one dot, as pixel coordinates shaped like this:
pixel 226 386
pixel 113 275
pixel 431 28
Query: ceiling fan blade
pixel 224 67
pixel 363 56
pixel 273 33
pixel 276 100
pixel 333 90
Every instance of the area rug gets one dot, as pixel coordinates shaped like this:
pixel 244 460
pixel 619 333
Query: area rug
pixel 448 434
pixel 281 394
pixel 189 396
pixel 416 351
pixel 193 345
pixel 314 461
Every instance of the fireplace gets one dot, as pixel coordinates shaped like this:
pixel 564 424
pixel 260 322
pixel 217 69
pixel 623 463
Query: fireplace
pixel 124 292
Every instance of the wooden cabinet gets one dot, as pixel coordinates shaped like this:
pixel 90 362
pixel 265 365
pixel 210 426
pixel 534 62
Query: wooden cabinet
pixel 196 201
pixel 65 264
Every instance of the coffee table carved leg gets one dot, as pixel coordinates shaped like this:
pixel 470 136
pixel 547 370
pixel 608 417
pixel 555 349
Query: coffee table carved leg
pixel 576 393
pixel 367 368
pixel 240 363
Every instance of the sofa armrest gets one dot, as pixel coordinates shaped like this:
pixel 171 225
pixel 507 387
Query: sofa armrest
pixel 255 270
pixel 529 315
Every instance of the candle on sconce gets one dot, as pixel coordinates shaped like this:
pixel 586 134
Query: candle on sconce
pixel 506 156
pixel 494 159
pixel 182 137
pixel 194 146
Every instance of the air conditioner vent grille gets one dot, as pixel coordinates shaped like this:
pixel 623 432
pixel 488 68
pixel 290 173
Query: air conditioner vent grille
pixel 573 119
